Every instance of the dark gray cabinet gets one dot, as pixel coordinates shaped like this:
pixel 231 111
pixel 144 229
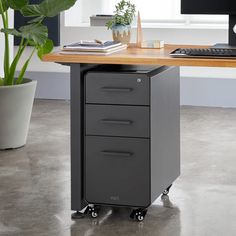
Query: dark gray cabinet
pixel 131 134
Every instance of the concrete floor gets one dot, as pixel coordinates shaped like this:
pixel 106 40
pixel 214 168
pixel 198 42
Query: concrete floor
pixel 35 182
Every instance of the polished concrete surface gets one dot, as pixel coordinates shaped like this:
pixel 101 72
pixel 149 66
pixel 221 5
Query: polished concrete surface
pixel 35 182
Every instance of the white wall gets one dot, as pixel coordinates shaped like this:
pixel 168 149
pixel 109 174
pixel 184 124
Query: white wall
pixel 2 43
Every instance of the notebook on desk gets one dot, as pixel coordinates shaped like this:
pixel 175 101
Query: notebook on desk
pixel 102 52
pixel 92 45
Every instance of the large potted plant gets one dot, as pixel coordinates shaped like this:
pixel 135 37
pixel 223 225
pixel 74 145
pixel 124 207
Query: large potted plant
pixel 121 21
pixel 17 92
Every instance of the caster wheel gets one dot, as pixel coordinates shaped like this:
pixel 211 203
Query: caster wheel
pixel 77 215
pixel 93 211
pixel 140 218
pixel 138 214
pixel 94 214
pixel 167 190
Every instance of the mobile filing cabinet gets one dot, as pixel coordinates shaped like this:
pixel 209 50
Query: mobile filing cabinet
pixel 131 136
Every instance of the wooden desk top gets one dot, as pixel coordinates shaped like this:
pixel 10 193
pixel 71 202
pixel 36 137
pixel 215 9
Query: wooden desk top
pixel 137 56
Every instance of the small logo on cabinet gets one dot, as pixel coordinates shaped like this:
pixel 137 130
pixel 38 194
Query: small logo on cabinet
pixel 139 80
pixel 114 198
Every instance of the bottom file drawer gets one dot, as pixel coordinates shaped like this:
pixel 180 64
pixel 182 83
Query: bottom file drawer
pixel 117 171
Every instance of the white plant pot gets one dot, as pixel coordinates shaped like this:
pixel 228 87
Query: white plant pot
pixel 121 33
pixel 16 104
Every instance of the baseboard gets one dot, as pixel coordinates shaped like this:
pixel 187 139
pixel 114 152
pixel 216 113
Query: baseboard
pixel 210 92
pixel 51 85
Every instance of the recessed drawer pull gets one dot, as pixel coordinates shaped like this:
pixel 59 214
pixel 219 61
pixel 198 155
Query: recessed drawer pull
pixel 116 89
pixel 116 122
pixel 116 153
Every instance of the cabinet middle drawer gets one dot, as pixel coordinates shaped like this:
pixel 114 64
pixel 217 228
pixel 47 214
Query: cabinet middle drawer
pixel 110 120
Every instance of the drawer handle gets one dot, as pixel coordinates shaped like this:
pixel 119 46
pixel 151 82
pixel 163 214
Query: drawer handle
pixel 116 153
pixel 116 89
pixel 116 122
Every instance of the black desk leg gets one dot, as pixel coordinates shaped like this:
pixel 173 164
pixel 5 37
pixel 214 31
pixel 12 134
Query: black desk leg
pixel 77 101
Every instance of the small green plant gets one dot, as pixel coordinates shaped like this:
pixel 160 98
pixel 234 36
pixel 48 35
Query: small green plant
pixel 124 14
pixel 34 34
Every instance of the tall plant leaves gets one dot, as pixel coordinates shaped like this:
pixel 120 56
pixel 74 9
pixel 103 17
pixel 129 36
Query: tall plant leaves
pixel 31 11
pixel 5 5
pixel 47 8
pixel 51 8
pixel 17 4
pixel 34 33
pixel 45 49
pixel 36 20
pixel 12 32
pixel 1 82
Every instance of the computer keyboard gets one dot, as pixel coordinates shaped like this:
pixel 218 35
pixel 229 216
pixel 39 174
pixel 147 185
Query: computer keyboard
pixel 204 52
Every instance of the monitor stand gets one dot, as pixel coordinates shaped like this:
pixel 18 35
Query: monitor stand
pixel 223 46
pixel 232 35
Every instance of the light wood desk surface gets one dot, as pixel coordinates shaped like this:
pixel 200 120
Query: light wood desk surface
pixel 137 56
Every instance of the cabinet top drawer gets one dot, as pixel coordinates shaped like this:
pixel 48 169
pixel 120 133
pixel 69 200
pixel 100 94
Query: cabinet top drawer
pixel 117 88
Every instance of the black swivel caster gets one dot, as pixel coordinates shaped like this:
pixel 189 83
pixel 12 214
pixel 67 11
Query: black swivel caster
pixel 167 190
pixel 138 214
pixel 77 215
pixel 93 211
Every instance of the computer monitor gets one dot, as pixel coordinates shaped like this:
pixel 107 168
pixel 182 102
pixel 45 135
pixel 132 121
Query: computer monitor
pixel 219 7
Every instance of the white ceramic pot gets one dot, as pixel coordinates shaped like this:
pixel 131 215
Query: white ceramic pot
pixel 121 33
pixel 16 104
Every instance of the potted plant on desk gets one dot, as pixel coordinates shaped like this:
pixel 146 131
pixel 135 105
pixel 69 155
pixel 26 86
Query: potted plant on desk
pixel 121 22
pixel 17 92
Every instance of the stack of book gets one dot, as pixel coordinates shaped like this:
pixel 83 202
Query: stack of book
pixel 93 47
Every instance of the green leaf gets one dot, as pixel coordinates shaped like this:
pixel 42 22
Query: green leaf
pixel 1 82
pixel 52 8
pixel 124 13
pixel 45 49
pixel 12 32
pixel 32 43
pixel 22 72
pixel 47 8
pixel 17 4
pixel 35 32
pixel 36 20
pixel 5 5
pixel 31 11
pixel 24 68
